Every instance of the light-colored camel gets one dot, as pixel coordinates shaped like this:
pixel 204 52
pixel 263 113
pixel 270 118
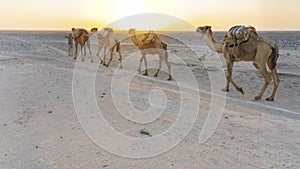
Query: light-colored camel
pixel 257 49
pixel 151 44
pixel 81 36
pixel 107 39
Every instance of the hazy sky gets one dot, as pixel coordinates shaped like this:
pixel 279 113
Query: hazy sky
pixel 221 14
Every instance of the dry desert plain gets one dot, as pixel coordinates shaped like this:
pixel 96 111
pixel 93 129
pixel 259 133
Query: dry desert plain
pixel 41 127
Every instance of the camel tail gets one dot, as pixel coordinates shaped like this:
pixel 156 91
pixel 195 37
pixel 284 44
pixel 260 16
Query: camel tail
pixel 272 62
pixel 165 46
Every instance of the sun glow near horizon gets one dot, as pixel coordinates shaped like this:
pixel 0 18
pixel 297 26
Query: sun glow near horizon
pixel 54 14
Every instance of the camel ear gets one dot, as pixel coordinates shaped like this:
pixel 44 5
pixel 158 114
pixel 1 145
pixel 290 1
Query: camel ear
pixel 209 27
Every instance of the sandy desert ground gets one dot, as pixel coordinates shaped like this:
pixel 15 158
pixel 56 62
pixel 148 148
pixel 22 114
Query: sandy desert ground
pixel 40 128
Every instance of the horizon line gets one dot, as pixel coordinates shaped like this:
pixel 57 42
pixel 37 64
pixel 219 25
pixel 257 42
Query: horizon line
pixel 140 30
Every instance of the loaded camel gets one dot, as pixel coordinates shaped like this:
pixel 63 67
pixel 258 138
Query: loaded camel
pixel 81 36
pixel 107 39
pixel 257 49
pixel 151 44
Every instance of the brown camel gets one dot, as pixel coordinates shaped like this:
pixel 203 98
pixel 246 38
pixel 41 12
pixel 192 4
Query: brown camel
pixel 81 36
pixel 107 39
pixel 151 44
pixel 257 49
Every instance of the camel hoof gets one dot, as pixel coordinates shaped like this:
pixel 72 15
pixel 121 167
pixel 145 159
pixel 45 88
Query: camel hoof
pixel 240 90
pixel 155 75
pixel 257 98
pixel 92 61
pixel 106 65
pixel 270 99
pixel 225 90
pixel 82 60
pixel 169 79
pixel 121 67
pixel 145 74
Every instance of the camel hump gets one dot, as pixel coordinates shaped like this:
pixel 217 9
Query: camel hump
pixel 238 34
pixel 150 37
pixel 77 32
pixel 235 30
pixel 85 31
pixel 82 31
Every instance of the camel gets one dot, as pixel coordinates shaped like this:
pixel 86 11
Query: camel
pixel 151 44
pixel 257 49
pixel 107 39
pixel 81 36
pixel 70 44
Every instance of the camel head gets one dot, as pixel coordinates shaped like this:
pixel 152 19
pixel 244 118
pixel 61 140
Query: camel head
pixel 131 31
pixel 204 30
pixel 108 29
pixel 94 30
pixel 106 32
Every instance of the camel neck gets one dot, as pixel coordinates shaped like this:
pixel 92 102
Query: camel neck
pixel 135 40
pixel 212 44
pixel 210 37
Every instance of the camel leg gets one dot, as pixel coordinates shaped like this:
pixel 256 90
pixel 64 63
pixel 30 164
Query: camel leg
pixel 111 56
pixel 228 75
pixel 229 78
pixel 146 67
pixel 83 53
pixel 104 56
pixel 98 54
pixel 119 51
pixel 70 50
pixel 76 51
pixel 159 66
pixel 262 69
pixel 276 83
pixel 121 59
pixel 89 47
pixel 141 60
pixel 168 65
